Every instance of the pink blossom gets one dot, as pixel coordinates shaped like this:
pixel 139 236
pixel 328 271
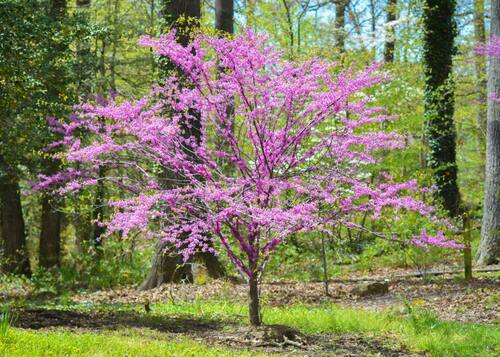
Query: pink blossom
pixel 290 159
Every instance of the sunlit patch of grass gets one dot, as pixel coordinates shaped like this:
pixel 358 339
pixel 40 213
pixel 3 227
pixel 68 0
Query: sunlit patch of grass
pixel 125 342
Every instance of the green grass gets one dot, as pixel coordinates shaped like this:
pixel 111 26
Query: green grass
pixel 414 327
pixel 126 342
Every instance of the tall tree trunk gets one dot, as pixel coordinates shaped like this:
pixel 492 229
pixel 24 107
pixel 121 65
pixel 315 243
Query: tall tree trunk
pixel 340 33
pixel 439 48
pixel 15 257
pixel 390 39
pixel 98 229
pixel 86 71
pixel 114 44
pixel 50 233
pixel 489 249
pixel 167 265
pixel 224 12
pixel 289 21
pixel 480 69
pixel 373 26
pixel 85 65
pixel 100 193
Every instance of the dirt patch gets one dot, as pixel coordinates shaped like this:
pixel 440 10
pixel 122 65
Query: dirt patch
pixel 270 338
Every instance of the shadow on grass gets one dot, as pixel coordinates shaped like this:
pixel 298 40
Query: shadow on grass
pixel 39 318
pixel 223 332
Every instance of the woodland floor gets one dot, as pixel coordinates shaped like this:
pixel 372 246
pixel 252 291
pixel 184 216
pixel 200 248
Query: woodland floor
pixel 450 297
pixel 447 296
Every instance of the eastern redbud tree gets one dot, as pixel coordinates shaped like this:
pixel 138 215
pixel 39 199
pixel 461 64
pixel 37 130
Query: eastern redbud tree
pixel 291 156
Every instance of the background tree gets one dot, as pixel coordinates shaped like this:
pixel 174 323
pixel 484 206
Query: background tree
pixel 340 30
pixel 56 82
pixel 489 250
pixel 168 265
pixel 438 50
pixel 224 15
pixel 390 40
pixel 22 54
pixel 480 68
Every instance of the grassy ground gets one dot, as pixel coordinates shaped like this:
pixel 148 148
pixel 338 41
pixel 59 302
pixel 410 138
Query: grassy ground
pixel 413 327
pixel 125 342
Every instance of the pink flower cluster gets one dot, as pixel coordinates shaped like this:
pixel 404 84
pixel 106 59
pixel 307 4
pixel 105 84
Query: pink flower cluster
pixel 292 156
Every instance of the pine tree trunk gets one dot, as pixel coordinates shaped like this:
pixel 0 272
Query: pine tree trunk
pixel 439 48
pixel 15 258
pixel 489 249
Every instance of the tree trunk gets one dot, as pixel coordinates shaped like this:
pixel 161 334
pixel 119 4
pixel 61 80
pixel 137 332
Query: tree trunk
pixel 340 33
pixel 167 267
pixel 439 48
pixel 98 229
pixel 254 302
pixel 224 12
pixel 85 64
pixel 480 69
pixel 214 267
pixel 15 258
pixel 50 236
pixel 489 249
pixel 390 39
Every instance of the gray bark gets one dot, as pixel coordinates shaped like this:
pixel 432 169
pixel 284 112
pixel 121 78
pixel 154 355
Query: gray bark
pixel 224 12
pixel 481 84
pixel 390 40
pixel 167 267
pixel 489 249
pixel 340 33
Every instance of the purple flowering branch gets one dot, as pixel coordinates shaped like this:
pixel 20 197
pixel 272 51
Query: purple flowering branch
pixel 300 145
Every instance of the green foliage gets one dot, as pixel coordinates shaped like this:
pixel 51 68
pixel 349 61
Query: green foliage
pixel 115 263
pixel 5 322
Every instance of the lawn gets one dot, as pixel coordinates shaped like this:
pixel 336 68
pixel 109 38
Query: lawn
pixel 208 327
